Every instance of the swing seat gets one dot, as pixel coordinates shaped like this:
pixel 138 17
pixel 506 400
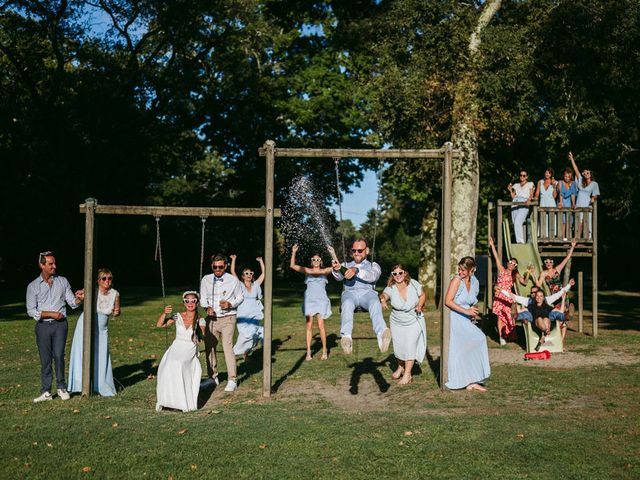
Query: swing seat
pixel 553 341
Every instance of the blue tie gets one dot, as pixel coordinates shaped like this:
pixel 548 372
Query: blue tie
pixel 216 279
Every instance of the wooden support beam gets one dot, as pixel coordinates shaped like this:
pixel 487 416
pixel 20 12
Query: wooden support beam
pixel 158 211
pixel 594 270
pixel 580 302
pixel 269 147
pixel 331 153
pixel 445 272
pixel 89 301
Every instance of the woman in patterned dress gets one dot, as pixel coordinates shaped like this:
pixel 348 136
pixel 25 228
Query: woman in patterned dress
pixel 501 306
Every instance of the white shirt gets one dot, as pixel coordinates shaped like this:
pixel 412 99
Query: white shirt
pixel 215 289
pixel 106 301
pixel 524 191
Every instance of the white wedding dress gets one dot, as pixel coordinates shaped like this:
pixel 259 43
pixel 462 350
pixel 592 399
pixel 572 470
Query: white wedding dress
pixel 179 372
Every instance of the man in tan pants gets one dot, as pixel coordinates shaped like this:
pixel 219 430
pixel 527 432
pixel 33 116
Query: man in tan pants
pixel 220 294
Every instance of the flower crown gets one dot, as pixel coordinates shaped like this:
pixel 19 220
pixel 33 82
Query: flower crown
pixel 191 292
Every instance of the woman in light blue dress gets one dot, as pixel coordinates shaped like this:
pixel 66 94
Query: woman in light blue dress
pixel 546 193
pixel 250 311
pixel 316 302
pixel 468 362
pixel 108 303
pixel 408 330
pixel 588 192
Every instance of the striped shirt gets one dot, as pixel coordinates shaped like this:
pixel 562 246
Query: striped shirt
pixel 42 297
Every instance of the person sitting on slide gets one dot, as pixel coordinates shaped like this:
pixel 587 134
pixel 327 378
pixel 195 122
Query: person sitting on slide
pixel 360 277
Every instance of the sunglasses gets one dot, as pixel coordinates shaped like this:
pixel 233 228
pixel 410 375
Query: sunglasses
pixel 524 175
pixel 248 273
pixel 190 300
pixel 41 255
pixel 357 250
pixel 397 274
pixel 316 259
pixel 104 279
pixel 586 172
pixel 515 264
pixel 548 261
pixel 218 267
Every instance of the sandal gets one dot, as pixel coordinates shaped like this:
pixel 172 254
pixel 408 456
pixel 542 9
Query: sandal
pixel 398 373
pixel 476 386
pixel 324 355
pixel 308 357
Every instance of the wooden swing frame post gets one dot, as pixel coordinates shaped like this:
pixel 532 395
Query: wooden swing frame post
pixel 445 154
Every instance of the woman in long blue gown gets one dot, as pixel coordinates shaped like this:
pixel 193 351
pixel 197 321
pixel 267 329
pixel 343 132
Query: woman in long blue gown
pixel 250 312
pixel 316 302
pixel 468 362
pixel 108 303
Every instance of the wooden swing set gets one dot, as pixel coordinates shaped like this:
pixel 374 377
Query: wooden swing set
pixel 91 208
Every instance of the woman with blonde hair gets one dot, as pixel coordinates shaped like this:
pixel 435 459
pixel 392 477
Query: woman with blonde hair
pixel 107 303
pixel 408 330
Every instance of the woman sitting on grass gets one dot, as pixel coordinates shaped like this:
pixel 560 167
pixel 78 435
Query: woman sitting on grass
pixel 179 371
pixel 316 302
pixel 408 330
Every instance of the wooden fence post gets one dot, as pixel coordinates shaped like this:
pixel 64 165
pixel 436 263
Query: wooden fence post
pixel 580 302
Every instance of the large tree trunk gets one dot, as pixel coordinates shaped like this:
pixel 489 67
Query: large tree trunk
pixel 428 271
pixel 465 169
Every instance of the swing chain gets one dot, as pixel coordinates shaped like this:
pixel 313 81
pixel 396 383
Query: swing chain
pixel 158 255
pixel 204 221
pixel 339 198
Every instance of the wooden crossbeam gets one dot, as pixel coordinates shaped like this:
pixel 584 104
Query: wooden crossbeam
pixel 331 153
pixel 159 211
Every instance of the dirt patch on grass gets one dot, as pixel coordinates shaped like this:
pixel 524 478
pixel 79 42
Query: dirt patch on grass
pixel 602 357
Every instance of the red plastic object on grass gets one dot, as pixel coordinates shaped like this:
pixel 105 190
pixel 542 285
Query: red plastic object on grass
pixel 543 355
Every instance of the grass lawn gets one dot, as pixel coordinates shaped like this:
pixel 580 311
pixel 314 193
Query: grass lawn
pixel 574 416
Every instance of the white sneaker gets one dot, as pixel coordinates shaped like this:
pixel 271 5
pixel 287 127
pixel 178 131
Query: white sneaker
pixel 231 386
pixel 43 398
pixel 158 407
pixel 63 394
pixel 384 339
pixel 502 341
pixel 346 344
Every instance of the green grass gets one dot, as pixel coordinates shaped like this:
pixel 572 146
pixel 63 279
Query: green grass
pixel 537 421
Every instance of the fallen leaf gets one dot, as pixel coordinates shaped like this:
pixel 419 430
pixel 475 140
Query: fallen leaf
pixel 151 376
pixel 194 467
pixel 75 410
pixel 408 433
pixel 154 356
pixel 263 446
pixel 520 435
pixel 183 431
pixel 86 469
pixel 114 424
pixel 35 443
pixel 131 339
pixel 215 412
pixel 107 417
pixel 50 445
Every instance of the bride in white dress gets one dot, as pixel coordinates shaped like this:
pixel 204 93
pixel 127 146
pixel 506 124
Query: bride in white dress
pixel 180 371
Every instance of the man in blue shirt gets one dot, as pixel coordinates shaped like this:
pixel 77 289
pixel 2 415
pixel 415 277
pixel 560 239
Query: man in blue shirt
pixel 46 298
pixel 360 277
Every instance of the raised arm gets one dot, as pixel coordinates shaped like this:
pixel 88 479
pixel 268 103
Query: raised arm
pixel 551 299
pixel 573 164
pixel 260 279
pixel 495 255
pixel 566 259
pixel 232 267
pixel 292 262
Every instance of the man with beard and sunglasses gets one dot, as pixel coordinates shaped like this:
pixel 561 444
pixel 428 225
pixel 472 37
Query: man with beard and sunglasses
pixel 220 295
pixel 360 277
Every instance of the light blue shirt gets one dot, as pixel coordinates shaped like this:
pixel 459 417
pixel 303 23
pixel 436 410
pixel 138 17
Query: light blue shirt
pixel 42 297
pixel 365 279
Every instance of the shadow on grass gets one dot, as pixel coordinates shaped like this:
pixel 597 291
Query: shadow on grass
pixel 316 346
pixel 434 365
pixel 369 367
pixel 253 365
pixel 128 375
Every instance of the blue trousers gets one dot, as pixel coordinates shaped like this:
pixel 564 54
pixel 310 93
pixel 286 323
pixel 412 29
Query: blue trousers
pixel 51 338
pixel 365 299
